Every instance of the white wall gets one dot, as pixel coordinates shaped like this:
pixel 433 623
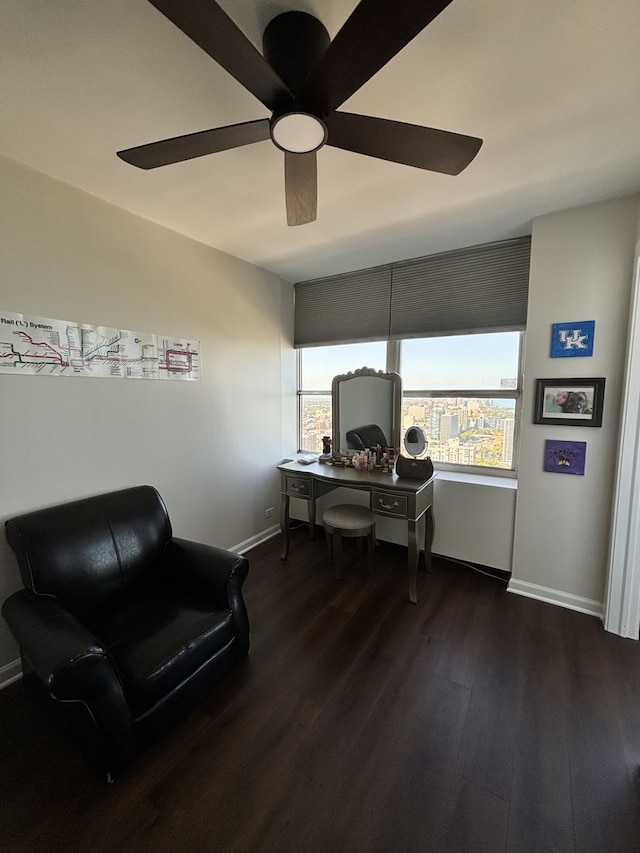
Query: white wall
pixel 581 269
pixel 474 519
pixel 211 446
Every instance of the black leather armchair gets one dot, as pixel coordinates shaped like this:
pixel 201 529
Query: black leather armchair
pixel 122 628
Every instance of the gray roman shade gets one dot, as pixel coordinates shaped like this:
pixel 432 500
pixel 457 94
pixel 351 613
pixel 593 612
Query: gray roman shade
pixel 343 308
pixel 476 289
pixel 482 288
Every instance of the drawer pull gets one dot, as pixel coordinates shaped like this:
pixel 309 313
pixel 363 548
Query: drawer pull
pixel 301 488
pixel 394 505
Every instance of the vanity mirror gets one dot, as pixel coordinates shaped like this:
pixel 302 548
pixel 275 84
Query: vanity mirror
pixel 362 401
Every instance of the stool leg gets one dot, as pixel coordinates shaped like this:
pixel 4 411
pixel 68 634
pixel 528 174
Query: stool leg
pixel 329 541
pixel 359 547
pixel 371 546
pixel 337 554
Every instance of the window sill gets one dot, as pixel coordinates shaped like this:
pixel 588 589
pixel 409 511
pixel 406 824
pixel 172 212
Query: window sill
pixel 478 479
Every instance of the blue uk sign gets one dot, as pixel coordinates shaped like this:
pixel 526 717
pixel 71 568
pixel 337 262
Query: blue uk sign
pixel 572 340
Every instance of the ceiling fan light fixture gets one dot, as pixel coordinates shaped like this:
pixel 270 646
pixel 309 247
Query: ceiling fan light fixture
pixel 298 132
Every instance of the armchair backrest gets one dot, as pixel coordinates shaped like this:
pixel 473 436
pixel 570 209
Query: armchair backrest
pixel 93 552
pixel 360 438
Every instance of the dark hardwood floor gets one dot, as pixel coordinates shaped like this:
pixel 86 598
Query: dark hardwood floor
pixel 475 720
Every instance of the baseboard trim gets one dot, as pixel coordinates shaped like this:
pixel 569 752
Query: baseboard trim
pixel 498 574
pixel 258 539
pixel 556 596
pixel 9 673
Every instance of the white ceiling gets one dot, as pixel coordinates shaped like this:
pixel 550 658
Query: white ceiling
pixel 552 86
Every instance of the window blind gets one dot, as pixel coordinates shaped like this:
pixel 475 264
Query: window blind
pixel 343 308
pixel 479 289
pixel 476 289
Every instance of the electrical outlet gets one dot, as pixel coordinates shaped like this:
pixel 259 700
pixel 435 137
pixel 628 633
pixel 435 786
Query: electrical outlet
pixel 268 513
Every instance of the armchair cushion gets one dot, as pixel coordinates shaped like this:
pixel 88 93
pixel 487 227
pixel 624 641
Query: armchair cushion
pixel 157 644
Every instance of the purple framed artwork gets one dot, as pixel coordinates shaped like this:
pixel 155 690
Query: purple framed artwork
pixel 564 457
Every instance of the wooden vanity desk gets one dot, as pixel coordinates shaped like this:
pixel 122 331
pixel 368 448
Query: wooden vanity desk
pixel 389 495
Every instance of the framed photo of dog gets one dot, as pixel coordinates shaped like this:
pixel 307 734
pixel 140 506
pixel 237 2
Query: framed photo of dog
pixel 569 402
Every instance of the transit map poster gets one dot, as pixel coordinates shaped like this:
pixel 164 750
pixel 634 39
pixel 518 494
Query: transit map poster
pixel 31 345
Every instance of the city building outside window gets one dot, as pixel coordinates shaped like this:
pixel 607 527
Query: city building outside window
pixel 463 390
pixel 316 368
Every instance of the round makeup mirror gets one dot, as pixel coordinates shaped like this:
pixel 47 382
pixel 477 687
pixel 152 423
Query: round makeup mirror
pixel 415 441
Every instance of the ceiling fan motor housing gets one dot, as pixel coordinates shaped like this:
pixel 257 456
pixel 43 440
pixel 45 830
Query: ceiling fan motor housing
pixel 293 43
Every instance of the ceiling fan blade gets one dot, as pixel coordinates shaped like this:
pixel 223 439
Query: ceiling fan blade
pixel 180 148
pixel 369 38
pixel 301 187
pixel 410 144
pixel 206 24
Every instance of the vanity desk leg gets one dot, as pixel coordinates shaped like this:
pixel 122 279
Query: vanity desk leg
pixel 284 521
pixel 413 558
pixel 428 539
pixel 414 551
pixel 284 525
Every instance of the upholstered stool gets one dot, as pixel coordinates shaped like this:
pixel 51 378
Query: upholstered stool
pixel 349 521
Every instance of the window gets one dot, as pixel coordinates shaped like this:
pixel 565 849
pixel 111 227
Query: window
pixel 316 368
pixel 463 390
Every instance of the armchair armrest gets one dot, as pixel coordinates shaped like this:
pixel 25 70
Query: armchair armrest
pixel 71 665
pixel 49 636
pixel 215 573
pixel 211 570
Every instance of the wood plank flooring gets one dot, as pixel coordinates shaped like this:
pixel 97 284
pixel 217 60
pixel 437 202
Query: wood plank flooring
pixel 475 721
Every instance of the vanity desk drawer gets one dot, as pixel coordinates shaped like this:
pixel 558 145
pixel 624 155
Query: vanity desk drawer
pixel 386 503
pixel 299 487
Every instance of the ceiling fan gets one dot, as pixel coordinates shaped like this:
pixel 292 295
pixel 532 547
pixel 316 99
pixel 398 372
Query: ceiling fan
pixel 302 78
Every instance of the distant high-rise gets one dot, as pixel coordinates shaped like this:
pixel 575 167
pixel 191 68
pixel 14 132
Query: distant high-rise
pixel 448 427
pixel 507 441
pixel 434 423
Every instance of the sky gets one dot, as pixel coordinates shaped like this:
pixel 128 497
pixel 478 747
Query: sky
pixel 460 362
